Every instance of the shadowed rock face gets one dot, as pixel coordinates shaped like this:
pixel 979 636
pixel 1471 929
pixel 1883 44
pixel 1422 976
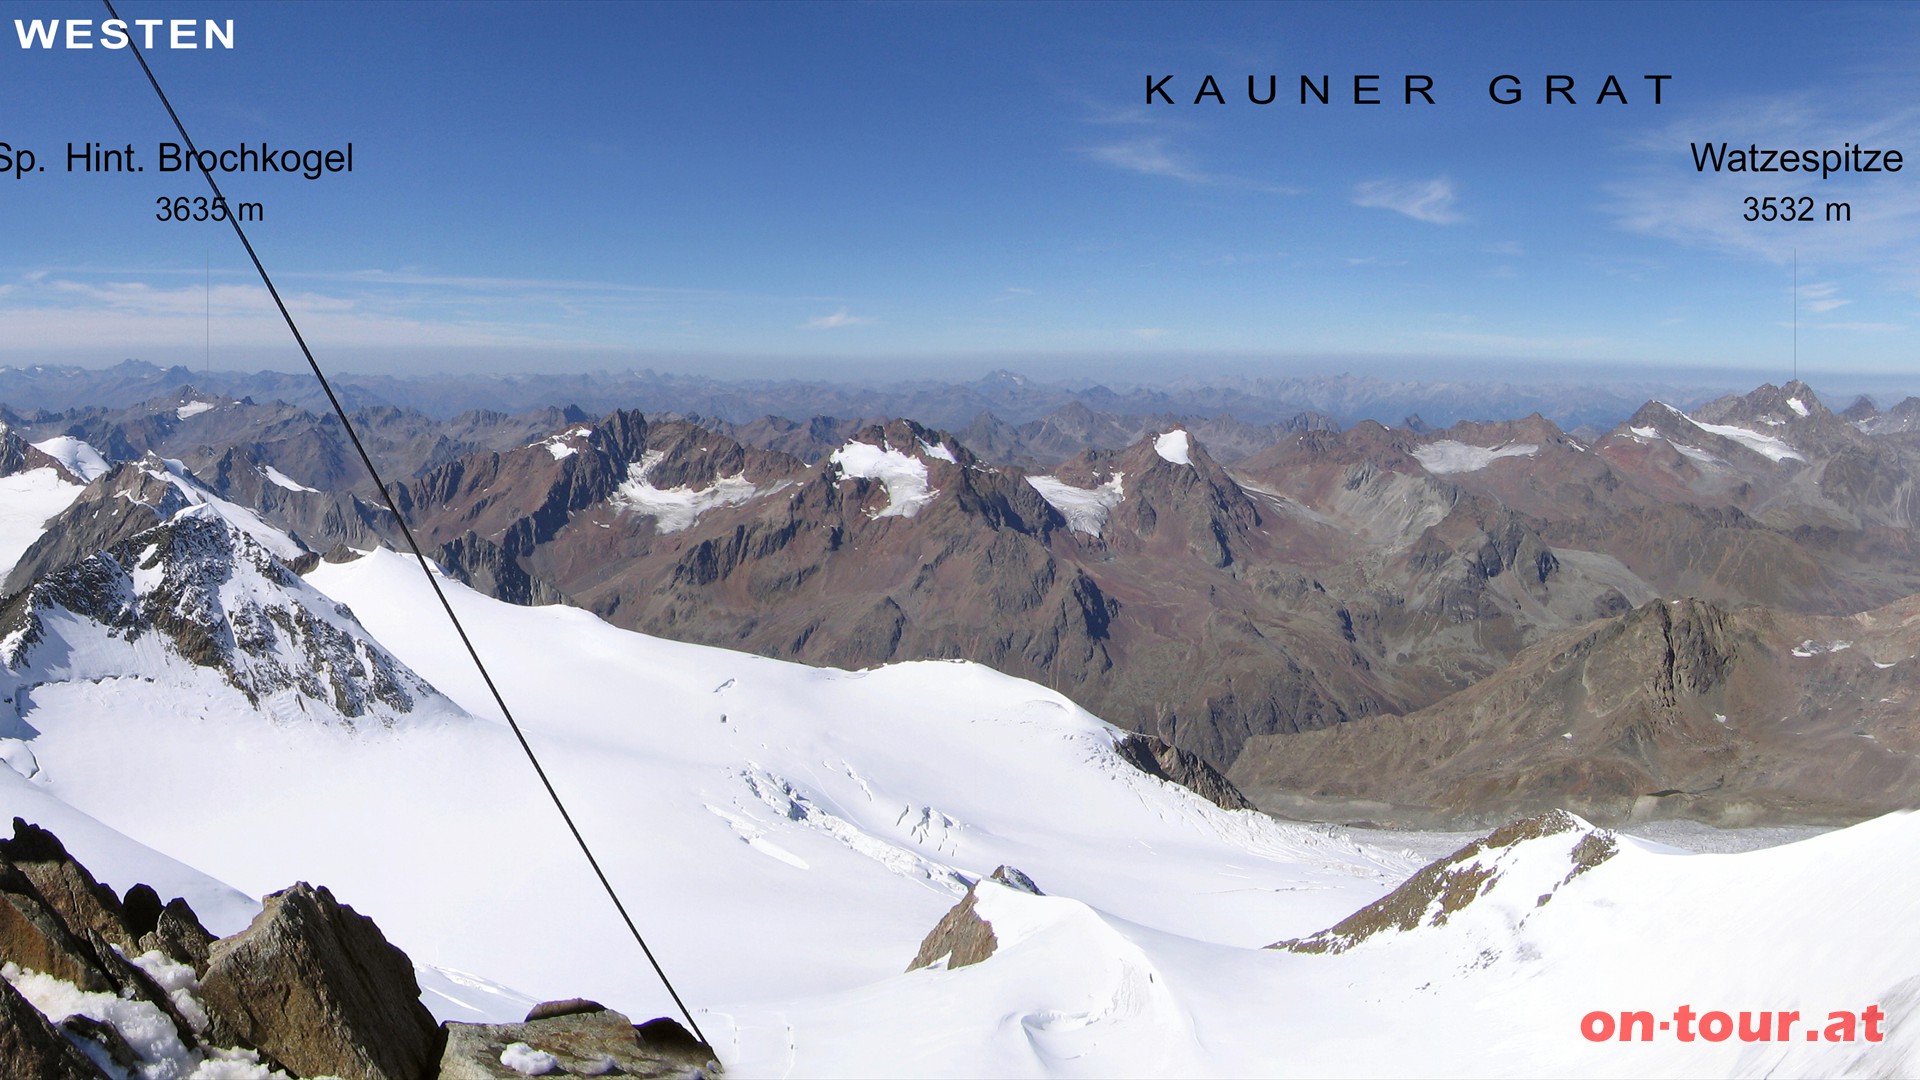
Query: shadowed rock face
pixel 317 986
pixel 583 1038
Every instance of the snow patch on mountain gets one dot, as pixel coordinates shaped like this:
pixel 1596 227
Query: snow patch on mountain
pixel 280 479
pixel 1799 407
pixel 940 452
pixel 561 445
pixel 1085 509
pixel 1770 447
pixel 192 409
pixel 1449 456
pixel 676 508
pixel 905 477
pixel 75 455
pixel 1174 447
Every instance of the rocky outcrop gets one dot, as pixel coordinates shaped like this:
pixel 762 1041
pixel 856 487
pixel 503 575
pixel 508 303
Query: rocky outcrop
pixel 311 988
pixel 962 937
pixel 1155 757
pixel 81 902
pixel 316 985
pixel 573 1038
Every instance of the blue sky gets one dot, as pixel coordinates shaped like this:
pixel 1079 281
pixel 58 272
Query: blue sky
pixel 938 189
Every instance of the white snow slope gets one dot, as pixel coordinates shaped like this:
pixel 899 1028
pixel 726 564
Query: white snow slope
pixel 28 499
pixel 786 836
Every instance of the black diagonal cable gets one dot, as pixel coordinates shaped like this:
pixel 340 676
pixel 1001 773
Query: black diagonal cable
pixel 414 545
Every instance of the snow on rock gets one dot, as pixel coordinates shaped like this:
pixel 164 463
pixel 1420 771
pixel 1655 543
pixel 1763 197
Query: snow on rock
pixel 1174 446
pixel 1085 509
pixel 1448 456
pixel 27 501
pixel 280 479
pixel 905 477
pixel 192 409
pixel 147 1031
pixel 204 503
pixel 940 452
pixel 676 508
pixel 79 458
pixel 527 1061
pixel 1798 406
pixel 199 607
pixel 1817 648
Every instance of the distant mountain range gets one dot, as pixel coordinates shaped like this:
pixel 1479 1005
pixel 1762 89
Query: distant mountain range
pixel 1004 395
pixel 1314 599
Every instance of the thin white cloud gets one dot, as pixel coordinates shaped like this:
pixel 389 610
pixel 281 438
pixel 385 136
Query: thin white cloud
pixel 1509 248
pixel 1150 156
pixel 1821 298
pixel 835 321
pixel 1148 333
pixel 1430 201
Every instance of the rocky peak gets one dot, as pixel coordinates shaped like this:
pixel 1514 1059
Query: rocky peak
pixel 1178 494
pixel 216 598
pixel 18 456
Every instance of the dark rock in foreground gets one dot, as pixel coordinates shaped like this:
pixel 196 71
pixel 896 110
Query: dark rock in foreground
pixel 317 985
pixel 573 1038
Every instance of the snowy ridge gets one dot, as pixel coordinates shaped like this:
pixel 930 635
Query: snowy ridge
pixel 239 517
pixel 1449 456
pixel 76 456
pixel 676 508
pixel 1085 509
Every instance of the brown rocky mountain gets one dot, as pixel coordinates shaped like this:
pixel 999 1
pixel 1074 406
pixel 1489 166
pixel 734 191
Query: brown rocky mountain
pixel 1678 708
pixel 1148 582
